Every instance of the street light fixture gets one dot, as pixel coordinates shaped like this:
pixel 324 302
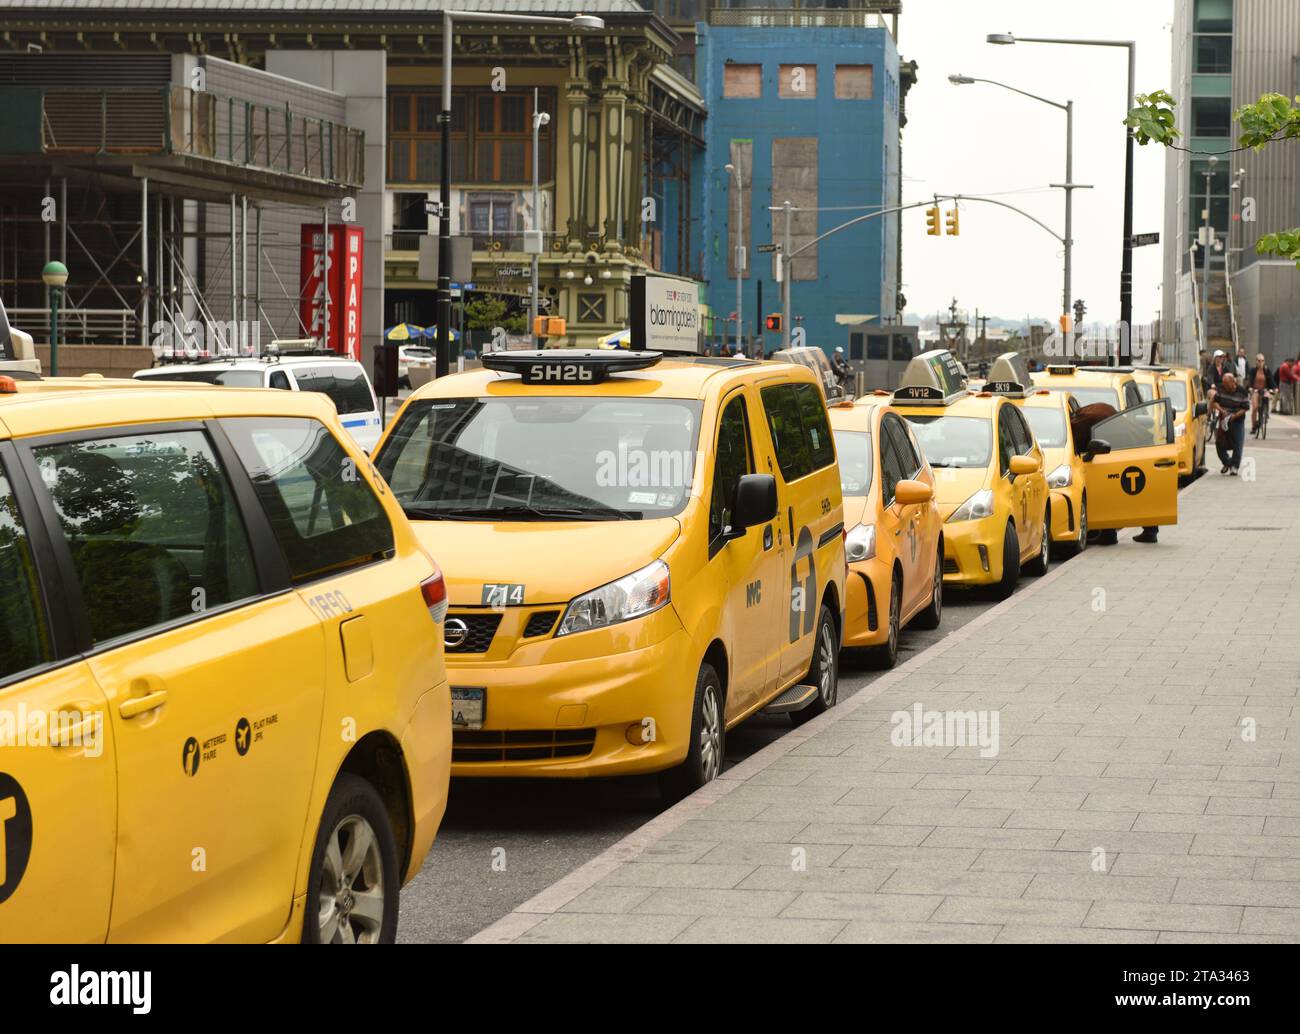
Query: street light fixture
pixel 442 354
pixel 55 275
pixel 1126 261
pixel 741 255
pixel 540 118
pixel 1069 185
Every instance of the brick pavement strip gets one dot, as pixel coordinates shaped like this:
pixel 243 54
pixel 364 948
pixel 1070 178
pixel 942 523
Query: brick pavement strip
pixel 1146 784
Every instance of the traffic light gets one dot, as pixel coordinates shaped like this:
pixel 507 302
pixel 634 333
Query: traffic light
pixel 932 221
pixel 773 322
pixel 1065 324
pixel 1079 310
pixel 549 326
pixel 954 226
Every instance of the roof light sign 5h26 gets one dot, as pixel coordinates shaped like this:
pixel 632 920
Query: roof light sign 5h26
pixel 665 314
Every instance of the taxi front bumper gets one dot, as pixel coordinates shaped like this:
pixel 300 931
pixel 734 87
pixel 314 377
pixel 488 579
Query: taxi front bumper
pixel 866 602
pixel 1066 506
pixel 972 551
pixel 612 712
pixel 426 747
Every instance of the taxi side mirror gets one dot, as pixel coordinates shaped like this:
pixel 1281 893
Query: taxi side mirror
pixel 1096 447
pixel 1024 465
pixel 1202 408
pixel 754 503
pixel 912 493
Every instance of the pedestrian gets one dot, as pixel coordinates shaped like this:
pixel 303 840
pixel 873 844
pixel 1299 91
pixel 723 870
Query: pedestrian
pixel 1295 386
pixel 1283 405
pixel 843 372
pixel 1229 408
pixel 1260 382
pixel 1242 365
pixel 1215 374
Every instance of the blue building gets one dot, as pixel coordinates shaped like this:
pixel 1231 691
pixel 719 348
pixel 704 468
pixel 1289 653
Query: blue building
pixel 805 103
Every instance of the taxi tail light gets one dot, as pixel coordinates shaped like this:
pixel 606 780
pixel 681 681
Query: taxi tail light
pixel 434 591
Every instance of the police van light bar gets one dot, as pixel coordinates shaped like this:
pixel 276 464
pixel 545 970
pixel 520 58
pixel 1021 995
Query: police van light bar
pixel 568 365
pixel 1009 375
pixel 932 378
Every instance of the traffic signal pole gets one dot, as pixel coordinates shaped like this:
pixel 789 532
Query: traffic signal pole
pixel 786 256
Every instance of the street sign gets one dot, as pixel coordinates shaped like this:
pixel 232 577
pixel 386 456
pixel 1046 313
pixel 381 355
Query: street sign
pixel 768 248
pixel 1141 239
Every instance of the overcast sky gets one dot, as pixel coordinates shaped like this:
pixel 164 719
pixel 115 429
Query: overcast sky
pixel 978 139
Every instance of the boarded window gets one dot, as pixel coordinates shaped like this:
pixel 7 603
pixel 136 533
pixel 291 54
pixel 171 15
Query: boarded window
pixel 742 157
pixel 853 82
pixel 794 179
pixel 798 82
pixel 742 81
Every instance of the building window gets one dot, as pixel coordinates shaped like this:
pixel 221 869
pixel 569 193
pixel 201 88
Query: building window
pixel 742 82
pixel 853 82
pixel 491 136
pixel 855 346
pixel 1211 116
pixel 492 222
pixel 1213 16
pixel 1213 55
pixel 798 82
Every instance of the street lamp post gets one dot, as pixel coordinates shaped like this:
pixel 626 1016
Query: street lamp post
pixel 740 255
pixel 1207 230
pixel 540 118
pixel 442 356
pixel 1069 186
pixel 55 275
pixel 1126 260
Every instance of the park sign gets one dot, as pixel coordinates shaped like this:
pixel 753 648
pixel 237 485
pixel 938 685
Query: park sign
pixel 665 313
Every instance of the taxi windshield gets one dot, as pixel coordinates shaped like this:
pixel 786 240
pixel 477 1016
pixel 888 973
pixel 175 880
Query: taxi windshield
pixel 1176 392
pixel 954 441
pixel 542 458
pixel 1087 396
pixel 854 448
pixel 1048 425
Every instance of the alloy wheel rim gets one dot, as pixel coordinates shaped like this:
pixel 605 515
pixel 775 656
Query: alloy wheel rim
pixel 351 885
pixel 710 735
pixel 938 587
pixel 895 612
pixel 826 662
pixel 1083 525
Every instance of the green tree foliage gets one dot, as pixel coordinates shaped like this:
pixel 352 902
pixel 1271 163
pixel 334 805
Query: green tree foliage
pixel 486 311
pixel 1270 119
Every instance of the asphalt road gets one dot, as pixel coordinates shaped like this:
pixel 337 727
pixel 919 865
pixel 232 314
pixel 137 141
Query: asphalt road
pixel 503 840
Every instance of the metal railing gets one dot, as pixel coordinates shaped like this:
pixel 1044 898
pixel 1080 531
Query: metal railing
pixel 812 17
pixel 178 120
pixel 1232 305
pixel 82 326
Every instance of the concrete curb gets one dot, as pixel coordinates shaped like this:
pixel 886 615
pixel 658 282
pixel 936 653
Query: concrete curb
pixel 515 924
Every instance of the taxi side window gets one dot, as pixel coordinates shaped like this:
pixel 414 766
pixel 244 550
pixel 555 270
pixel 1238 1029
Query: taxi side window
pixel 732 461
pixel 1139 428
pixel 24 635
pixel 1020 433
pixel 1006 439
pixel 909 457
pixel 892 465
pixel 800 429
pixel 323 512
pixel 152 527
pixel 1132 397
pixel 279 379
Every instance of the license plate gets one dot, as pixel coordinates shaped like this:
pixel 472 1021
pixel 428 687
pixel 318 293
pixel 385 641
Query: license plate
pixel 468 706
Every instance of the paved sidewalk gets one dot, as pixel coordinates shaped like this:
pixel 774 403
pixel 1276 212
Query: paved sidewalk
pixel 1127 801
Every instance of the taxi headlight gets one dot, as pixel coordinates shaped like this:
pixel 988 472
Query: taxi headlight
pixel 976 508
pixel 632 596
pixel 861 543
pixel 1061 477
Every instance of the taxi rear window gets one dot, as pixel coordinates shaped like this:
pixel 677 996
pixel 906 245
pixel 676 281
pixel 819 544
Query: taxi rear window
pixel 543 457
pixel 1176 392
pixel 1048 425
pixel 854 448
pixel 1088 396
pixel 228 378
pixel 346 387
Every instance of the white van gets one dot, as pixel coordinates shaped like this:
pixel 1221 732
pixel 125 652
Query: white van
pixel 343 380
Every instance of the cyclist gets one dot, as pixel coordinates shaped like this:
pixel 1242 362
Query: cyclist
pixel 1261 383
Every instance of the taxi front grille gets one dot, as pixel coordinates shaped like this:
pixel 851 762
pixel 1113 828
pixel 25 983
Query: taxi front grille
pixel 540 623
pixel 470 746
pixel 475 637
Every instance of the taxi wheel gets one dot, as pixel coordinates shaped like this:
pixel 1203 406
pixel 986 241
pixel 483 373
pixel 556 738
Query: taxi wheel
pixel 703 761
pixel 933 614
pixel 1010 564
pixel 885 656
pixel 353 882
pixel 1081 543
pixel 1042 563
pixel 824 672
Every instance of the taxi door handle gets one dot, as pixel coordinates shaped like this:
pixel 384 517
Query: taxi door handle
pixel 77 735
pixel 1165 463
pixel 136 706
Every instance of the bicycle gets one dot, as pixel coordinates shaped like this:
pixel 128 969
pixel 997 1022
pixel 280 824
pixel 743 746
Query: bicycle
pixel 1263 405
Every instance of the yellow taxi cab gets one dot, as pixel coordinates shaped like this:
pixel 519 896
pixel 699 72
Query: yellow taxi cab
pixel 647 550
pixel 1115 386
pixel 988 471
pixel 895 538
pixel 224 712
pixel 1182 386
pixel 1049 413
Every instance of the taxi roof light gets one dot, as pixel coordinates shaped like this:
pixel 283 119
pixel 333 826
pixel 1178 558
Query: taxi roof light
pixel 8 386
pixel 932 378
pixel 1009 376
pixel 568 366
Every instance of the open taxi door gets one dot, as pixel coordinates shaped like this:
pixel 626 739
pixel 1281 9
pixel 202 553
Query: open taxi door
pixel 1132 475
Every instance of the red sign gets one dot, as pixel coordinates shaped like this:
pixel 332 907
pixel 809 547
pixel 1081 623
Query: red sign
pixel 330 295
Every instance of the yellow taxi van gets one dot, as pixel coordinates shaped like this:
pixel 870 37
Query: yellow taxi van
pixel 1182 386
pixel 224 712
pixel 645 549
pixel 1113 385
pixel 988 471
pixel 895 532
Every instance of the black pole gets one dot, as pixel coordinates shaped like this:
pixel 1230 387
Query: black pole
pixel 442 353
pixel 759 325
pixel 1126 264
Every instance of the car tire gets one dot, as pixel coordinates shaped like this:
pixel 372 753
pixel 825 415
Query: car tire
pixel 824 672
pixel 704 757
pixel 933 614
pixel 1010 568
pixel 1042 563
pixel 1080 542
pixel 353 863
pixel 885 656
